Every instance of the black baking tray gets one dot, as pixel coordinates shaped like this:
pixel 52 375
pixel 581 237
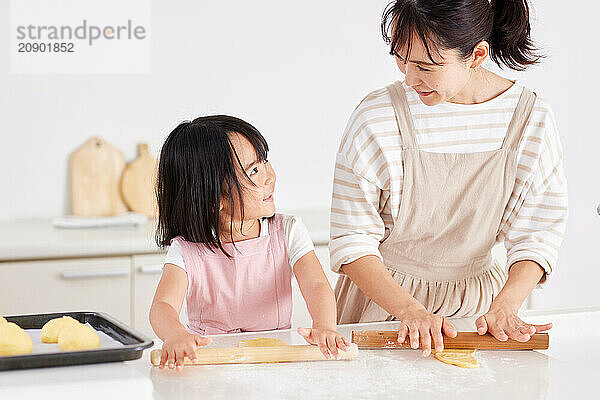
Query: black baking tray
pixel 133 342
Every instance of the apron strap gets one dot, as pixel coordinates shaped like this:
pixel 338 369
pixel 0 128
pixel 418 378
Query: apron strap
pixel 403 117
pixel 283 271
pixel 517 124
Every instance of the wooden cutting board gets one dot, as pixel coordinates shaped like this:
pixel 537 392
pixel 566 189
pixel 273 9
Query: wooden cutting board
pixel 95 170
pixel 138 183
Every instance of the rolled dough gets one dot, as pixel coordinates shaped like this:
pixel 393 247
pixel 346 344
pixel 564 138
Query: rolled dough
pixel 262 342
pixel 459 357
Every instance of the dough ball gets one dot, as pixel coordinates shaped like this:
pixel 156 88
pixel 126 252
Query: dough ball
pixel 14 341
pixel 460 357
pixel 2 320
pixel 52 328
pixel 78 337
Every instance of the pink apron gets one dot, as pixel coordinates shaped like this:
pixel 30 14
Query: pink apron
pixel 249 292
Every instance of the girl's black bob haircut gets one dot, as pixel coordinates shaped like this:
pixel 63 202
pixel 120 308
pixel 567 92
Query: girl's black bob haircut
pixel 460 25
pixel 197 168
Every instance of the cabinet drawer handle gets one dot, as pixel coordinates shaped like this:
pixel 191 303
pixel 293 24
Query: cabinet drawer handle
pixel 151 269
pixel 95 273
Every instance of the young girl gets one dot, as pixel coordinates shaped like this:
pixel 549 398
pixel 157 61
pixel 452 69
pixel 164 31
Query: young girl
pixel 230 255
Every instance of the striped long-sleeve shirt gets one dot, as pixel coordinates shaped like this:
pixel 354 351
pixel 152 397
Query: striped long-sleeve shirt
pixel 367 187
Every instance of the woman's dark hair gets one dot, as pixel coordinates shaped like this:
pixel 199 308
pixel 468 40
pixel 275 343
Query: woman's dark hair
pixel 197 167
pixel 460 25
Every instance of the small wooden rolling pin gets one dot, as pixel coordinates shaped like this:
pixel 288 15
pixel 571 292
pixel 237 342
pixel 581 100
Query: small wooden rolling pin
pixel 464 340
pixel 250 355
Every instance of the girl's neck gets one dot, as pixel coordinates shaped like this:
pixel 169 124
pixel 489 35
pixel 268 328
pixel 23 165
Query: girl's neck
pixel 250 229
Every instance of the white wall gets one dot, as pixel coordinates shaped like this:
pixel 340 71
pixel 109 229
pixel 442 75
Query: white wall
pixel 295 70
pixel 568 79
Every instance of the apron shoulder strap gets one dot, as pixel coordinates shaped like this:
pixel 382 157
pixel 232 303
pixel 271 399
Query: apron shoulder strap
pixel 519 120
pixel 277 236
pixel 403 117
pixel 275 223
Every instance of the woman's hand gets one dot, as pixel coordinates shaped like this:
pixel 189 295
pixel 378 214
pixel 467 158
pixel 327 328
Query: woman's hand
pixel 178 346
pixel 328 340
pixel 503 322
pixel 421 325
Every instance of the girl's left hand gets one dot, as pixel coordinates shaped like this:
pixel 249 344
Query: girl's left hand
pixel 328 340
pixel 503 322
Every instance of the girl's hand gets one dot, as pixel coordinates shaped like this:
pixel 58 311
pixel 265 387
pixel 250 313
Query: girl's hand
pixel 421 325
pixel 179 345
pixel 503 322
pixel 328 340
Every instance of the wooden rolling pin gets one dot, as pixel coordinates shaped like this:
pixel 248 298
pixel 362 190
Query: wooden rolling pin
pixel 464 340
pixel 250 355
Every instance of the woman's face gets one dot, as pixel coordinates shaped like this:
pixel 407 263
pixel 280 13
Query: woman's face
pixel 257 194
pixel 434 83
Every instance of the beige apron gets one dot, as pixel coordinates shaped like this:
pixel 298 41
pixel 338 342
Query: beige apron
pixel 450 214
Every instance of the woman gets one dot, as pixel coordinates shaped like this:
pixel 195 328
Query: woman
pixel 433 171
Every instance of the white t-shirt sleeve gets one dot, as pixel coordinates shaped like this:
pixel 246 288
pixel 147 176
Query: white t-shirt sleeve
pixel 175 255
pixel 297 239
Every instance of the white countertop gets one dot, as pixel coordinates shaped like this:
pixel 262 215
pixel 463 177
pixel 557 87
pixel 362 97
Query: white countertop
pixel 35 239
pixel 568 369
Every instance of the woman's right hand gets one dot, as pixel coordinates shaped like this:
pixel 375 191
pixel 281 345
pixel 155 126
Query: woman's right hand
pixel 422 326
pixel 179 345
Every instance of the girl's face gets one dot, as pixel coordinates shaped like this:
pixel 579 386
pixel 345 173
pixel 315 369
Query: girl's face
pixel 257 194
pixel 435 83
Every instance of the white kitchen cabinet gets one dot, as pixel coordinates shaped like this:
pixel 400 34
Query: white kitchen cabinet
pixel 91 284
pixel 147 270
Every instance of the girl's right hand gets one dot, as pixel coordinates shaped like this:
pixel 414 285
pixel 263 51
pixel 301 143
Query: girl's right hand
pixel 178 346
pixel 328 340
pixel 422 326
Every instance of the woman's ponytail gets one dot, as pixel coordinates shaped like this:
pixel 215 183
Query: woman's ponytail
pixel 461 25
pixel 510 40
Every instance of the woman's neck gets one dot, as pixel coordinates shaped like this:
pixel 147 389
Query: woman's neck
pixel 242 230
pixel 482 86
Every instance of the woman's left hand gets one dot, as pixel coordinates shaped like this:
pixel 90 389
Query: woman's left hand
pixel 328 340
pixel 503 322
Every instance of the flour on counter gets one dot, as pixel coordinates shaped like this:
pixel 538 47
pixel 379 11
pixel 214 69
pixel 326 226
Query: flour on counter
pixel 375 374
